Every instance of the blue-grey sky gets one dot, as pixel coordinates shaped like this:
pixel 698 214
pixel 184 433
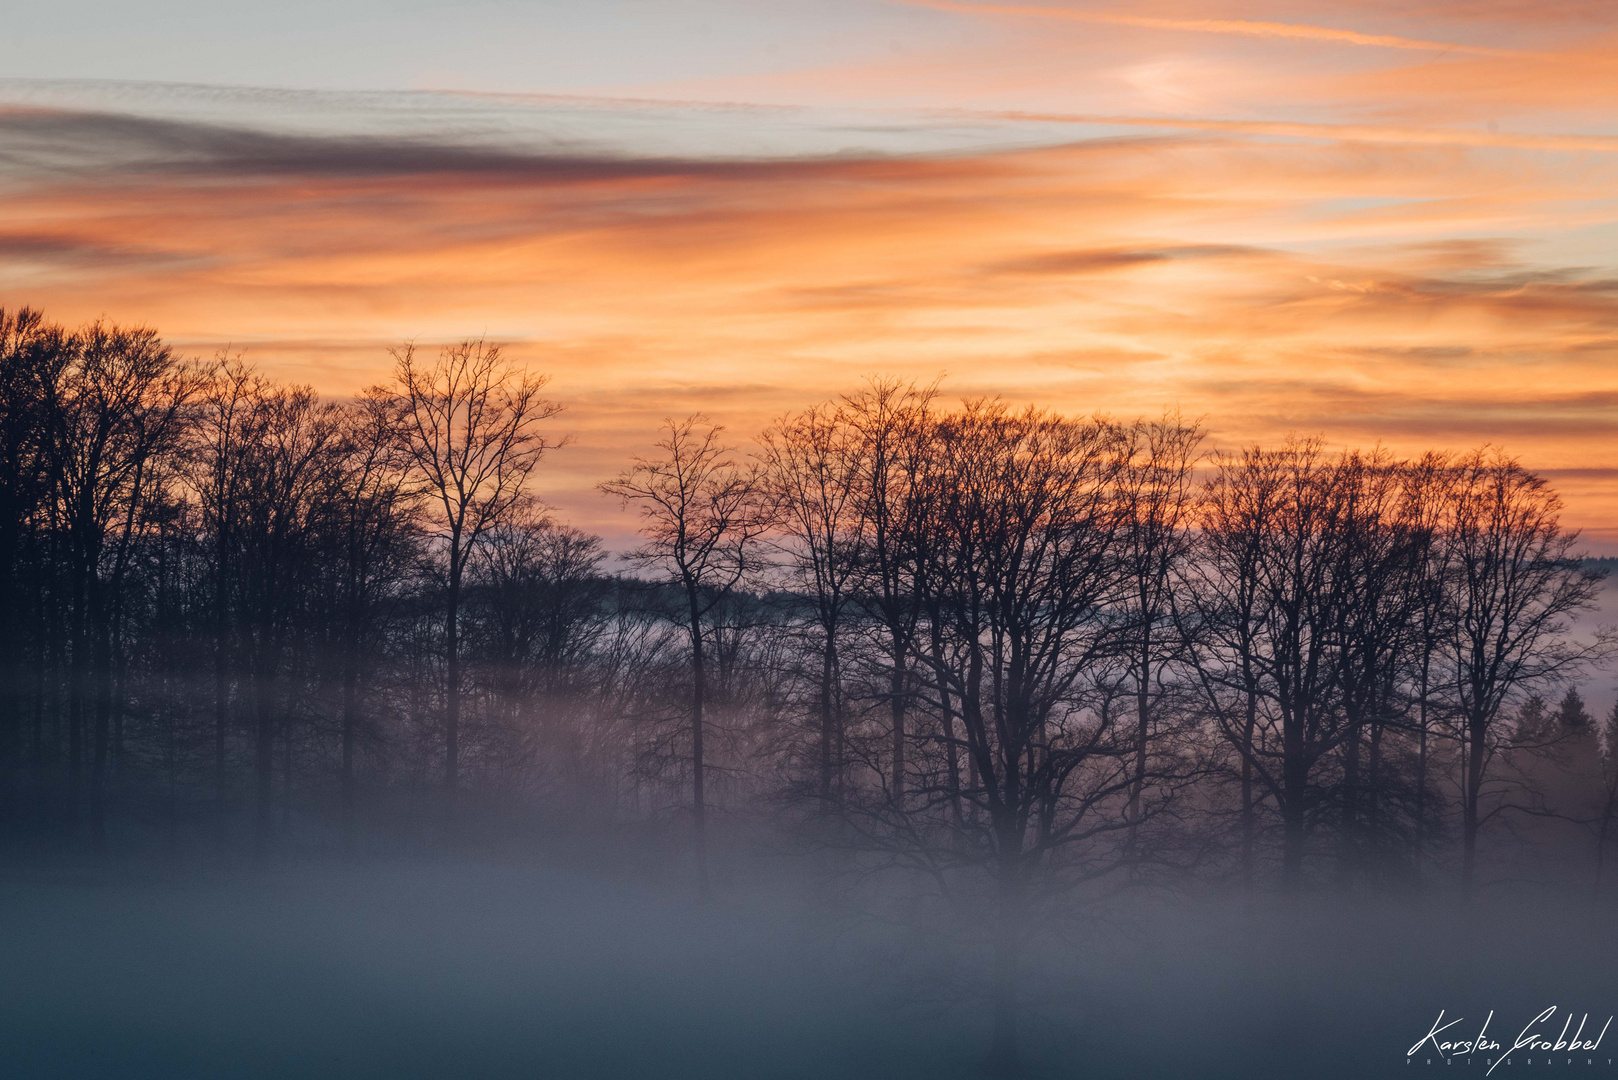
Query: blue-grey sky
pixel 514 45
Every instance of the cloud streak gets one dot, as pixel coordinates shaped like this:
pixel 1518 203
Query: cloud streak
pixel 37 143
pixel 1243 27
pixel 1374 133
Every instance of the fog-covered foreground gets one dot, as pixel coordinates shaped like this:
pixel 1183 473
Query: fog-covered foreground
pixel 463 970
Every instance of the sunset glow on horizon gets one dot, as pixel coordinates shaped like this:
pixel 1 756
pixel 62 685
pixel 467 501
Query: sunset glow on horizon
pixel 1383 223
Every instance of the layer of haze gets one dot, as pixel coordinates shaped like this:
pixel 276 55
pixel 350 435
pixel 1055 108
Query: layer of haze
pixel 407 970
pixel 1384 222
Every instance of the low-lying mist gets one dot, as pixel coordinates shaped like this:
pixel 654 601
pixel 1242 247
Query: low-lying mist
pixel 439 967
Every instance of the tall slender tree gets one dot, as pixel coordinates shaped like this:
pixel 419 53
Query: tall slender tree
pixel 470 424
pixel 703 514
pixel 1514 582
pixel 1025 555
pixel 812 470
pixel 1156 501
pixel 290 448
pixel 367 526
pixel 216 461
pixel 894 423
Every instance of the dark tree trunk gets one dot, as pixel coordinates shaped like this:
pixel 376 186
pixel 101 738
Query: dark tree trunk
pixel 221 668
pixel 351 708
pixel 1295 782
pixel 828 734
pixel 699 810
pixel 1421 762
pixel 1373 788
pixel 452 677
pixel 1473 790
pixel 1347 853
pixel 1249 816
pixel 897 679
pixel 1143 720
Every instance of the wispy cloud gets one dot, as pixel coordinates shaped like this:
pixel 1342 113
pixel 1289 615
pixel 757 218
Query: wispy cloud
pixel 1244 27
pixel 56 142
pixel 1375 133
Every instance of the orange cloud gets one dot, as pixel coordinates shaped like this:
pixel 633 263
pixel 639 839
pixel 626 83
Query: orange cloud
pixel 1376 290
pixel 1579 80
pixel 1245 27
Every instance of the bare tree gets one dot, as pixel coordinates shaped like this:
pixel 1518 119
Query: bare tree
pixel 1513 582
pixel 33 354
pixel 1428 503
pixel 812 470
pixel 469 423
pixel 1376 629
pixel 702 517
pixel 367 526
pixel 216 475
pixel 1155 506
pixel 894 425
pixel 290 452
pixel 1222 616
pixel 1024 558
pixel 538 610
pixel 1277 576
pixel 118 407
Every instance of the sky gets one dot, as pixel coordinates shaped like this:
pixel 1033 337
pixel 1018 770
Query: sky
pixel 1380 222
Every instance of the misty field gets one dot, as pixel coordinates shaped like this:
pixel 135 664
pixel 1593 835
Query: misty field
pixel 460 969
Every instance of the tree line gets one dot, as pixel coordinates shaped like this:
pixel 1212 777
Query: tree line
pixel 1008 653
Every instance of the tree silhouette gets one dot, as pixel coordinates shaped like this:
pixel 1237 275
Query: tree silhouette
pixel 469 424
pixel 702 516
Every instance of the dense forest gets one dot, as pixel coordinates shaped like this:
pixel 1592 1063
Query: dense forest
pixel 1009 657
